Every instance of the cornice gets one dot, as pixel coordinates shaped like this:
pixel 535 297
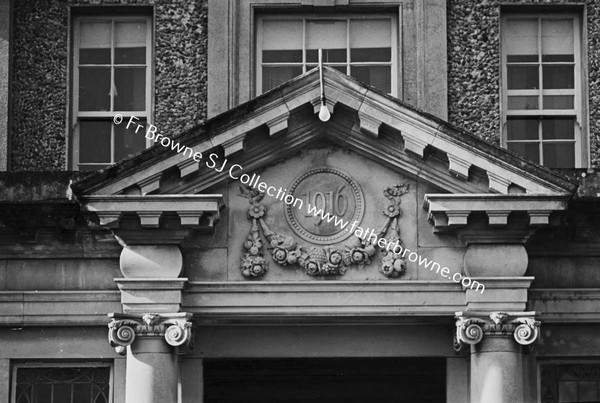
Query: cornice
pixel 451 211
pixel 189 208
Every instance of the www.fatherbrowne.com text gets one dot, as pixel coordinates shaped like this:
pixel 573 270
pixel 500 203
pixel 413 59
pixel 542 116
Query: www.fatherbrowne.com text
pixel 235 172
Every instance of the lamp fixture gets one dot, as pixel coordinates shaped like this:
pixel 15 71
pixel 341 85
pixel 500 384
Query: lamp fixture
pixel 324 114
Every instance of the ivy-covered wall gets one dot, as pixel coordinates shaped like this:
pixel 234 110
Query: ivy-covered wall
pixel 40 78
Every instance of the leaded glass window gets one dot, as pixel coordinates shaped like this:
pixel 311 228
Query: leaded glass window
pixel 570 383
pixel 57 384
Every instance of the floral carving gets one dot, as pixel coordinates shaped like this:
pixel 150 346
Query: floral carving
pixel 393 265
pixel 284 249
pixel 253 263
pixel 329 261
pixel 359 253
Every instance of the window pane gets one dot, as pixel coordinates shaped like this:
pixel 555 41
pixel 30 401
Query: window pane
pixel 530 151
pixel 42 393
pixel 274 76
pixel 282 35
pixel 523 77
pixel 94 88
pixel 94 142
pixel 62 392
pixel 329 35
pixel 23 393
pixel 130 55
pixel 282 56
pixel 558 128
pixel 94 56
pixel 557 77
pixel 559 155
pixel 522 102
pixel 567 391
pixel 130 42
pixel 364 34
pixel 378 76
pixel 130 94
pixel 329 56
pixel 521 39
pixel 522 128
pixel 81 392
pixel 558 58
pixel 557 38
pixel 522 58
pixel 588 392
pixel 371 55
pixel 558 102
pixel 94 43
pixel 127 141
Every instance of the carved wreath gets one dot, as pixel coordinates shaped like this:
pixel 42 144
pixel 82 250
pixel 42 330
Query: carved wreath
pixel 320 261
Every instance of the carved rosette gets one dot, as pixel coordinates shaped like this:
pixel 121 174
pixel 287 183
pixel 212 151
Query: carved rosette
pixel 320 261
pixel 176 329
pixel 471 328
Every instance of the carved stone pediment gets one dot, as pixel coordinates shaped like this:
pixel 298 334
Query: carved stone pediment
pixel 380 127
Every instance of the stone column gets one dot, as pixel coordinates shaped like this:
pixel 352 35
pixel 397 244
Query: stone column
pixel 496 341
pixel 152 331
pixel 151 342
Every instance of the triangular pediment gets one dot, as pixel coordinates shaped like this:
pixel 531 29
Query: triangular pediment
pixel 283 121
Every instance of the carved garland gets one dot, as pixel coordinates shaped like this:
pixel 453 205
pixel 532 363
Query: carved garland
pixel 326 261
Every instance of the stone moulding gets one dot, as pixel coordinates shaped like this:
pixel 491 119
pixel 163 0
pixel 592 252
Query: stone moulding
pixel 320 261
pixel 472 327
pixel 175 328
pixel 149 208
pixel 449 211
pixel 322 239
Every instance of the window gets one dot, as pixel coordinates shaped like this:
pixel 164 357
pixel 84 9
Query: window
pixel 542 101
pixel 74 383
pixel 570 383
pixel 361 46
pixel 112 72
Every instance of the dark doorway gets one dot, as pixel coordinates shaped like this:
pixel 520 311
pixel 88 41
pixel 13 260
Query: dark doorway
pixel 326 380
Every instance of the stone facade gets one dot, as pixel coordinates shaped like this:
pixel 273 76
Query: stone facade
pixel 181 278
pixel 39 130
pixel 474 67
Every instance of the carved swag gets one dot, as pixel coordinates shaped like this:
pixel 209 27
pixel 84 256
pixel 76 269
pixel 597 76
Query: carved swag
pixel 320 261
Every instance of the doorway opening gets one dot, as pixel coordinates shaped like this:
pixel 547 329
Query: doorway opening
pixel 326 380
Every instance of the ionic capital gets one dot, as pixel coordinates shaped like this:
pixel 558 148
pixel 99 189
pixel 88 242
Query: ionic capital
pixel 472 327
pixel 175 328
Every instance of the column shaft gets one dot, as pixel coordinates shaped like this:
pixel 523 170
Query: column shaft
pixel 496 371
pixel 152 372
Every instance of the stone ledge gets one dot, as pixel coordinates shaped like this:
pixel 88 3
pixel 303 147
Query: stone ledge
pixel 561 305
pixel 57 308
pixel 314 301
